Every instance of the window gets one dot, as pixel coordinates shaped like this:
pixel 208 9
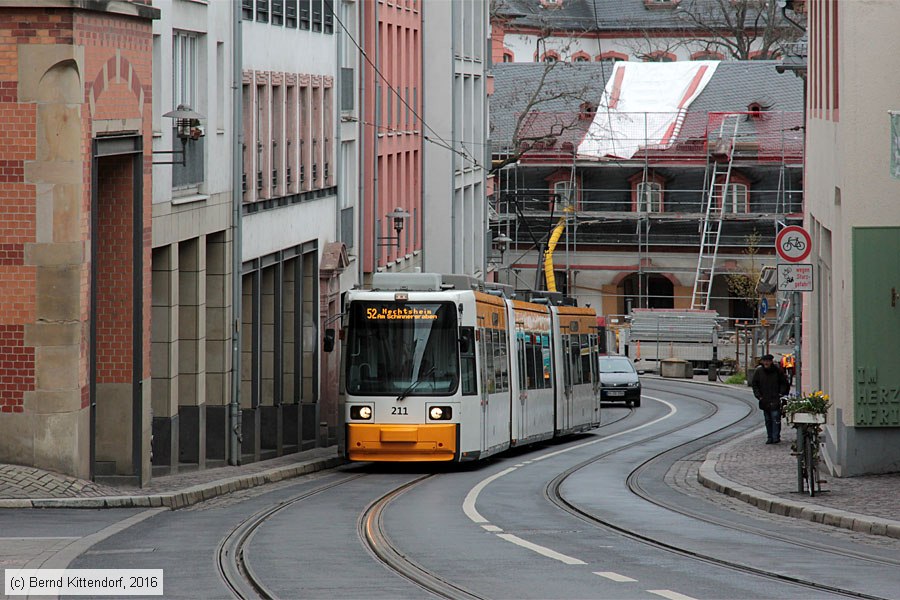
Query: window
pixel 649 196
pixel 304 14
pixel 262 11
pixel 184 93
pixel 581 56
pixel 247 9
pixel 328 17
pixel 736 196
pixel 660 56
pixel 550 57
pixel 277 12
pixel 613 56
pixel 563 191
pixel 508 57
pixel 290 13
pixel 707 55
pixel 184 70
pixel 317 15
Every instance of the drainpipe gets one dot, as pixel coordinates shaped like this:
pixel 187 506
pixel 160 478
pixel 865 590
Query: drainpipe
pixel 237 167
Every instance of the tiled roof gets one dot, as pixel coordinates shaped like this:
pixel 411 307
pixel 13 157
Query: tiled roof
pixel 734 86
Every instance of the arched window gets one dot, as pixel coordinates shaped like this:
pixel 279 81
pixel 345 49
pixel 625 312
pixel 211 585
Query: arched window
pixel 581 56
pixel 550 56
pixel 508 56
pixel 660 56
pixel 647 192
pixel 612 55
pixel 707 55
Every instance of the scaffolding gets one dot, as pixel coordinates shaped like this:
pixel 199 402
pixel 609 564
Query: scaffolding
pixel 619 205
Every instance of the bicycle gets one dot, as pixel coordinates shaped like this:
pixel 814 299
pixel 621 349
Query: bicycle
pixel 793 242
pixel 807 452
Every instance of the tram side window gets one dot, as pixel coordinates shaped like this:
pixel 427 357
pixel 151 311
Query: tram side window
pixel 586 347
pixel 532 354
pixel 520 360
pixel 467 361
pixel 501 362
pixel 491 377
pixel 547 361
pixel 567 364
pixel 575 358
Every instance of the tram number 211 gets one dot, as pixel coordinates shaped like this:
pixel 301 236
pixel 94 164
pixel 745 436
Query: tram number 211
pixel 399 410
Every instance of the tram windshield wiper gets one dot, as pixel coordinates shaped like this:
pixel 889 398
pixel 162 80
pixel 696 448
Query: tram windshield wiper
pixel 415 383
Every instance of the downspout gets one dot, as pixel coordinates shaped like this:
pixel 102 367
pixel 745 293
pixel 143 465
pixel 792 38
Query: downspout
pixel 454 244
pixel 360 106
pixel 237 167
pixel 376 234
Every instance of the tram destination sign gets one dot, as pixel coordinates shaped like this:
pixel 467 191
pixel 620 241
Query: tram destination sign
pixel 795 278
pixel 401 314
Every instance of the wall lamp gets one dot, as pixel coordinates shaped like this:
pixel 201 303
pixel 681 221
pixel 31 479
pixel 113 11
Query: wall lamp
pixel 397 216
pixel 187 127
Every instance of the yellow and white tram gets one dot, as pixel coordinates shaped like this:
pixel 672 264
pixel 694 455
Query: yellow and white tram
pixel 433 373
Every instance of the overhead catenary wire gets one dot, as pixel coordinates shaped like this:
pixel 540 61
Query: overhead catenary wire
pixel 463 153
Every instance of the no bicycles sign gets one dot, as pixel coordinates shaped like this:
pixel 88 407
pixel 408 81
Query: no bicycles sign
pixel 793 244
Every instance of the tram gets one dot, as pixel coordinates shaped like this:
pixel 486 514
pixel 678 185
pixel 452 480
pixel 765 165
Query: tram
pixel 435 371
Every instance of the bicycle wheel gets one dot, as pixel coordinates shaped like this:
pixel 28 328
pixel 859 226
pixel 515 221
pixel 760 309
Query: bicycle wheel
pixel 810 472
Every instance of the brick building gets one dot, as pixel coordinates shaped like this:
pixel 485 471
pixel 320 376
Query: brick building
pixel 76 92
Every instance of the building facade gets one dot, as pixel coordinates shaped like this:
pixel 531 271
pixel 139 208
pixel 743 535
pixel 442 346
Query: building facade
pixel 393 131
pixel 193 54
pixel 851 324
pixel 456 157
pixel 75 368
pixel 631 230
pixel 640 30
pixel 291 257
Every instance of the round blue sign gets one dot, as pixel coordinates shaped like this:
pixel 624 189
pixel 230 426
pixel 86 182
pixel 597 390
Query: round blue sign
pixel 764 307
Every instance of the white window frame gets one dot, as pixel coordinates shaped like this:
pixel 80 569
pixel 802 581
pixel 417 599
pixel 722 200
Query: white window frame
pixel 564 190
pixel 649 196
pixel 185 61
pixel 735 198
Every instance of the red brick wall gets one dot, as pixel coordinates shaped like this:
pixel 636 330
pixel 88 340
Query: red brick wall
pixel 102 36
pixel 17 209
pixel 114 271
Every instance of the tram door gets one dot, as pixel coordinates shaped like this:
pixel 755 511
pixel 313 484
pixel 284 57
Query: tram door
pixel 567 381
pixel 485 395
pixel 523 387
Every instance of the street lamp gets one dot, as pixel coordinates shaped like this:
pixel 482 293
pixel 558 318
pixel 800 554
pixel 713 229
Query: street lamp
pixel 501 243
pixel 187 127
pixel 397 216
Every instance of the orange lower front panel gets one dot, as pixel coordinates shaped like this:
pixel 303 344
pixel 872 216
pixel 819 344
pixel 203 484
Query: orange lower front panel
pixel 401 442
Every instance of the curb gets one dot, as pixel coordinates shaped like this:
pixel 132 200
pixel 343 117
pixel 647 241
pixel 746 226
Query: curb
pixel 186 496
pixel 817 513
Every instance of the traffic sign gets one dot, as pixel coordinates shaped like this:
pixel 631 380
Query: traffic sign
pixel 795 278
pixel 793 244
pixel 763 307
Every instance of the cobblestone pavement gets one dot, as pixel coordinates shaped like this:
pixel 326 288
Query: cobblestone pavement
pixel 772 469
pixel 27 482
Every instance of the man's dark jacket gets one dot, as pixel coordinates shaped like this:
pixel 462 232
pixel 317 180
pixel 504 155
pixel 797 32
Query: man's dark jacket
pixel 769 385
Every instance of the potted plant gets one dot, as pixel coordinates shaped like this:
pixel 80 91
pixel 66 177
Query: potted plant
pixel 808 408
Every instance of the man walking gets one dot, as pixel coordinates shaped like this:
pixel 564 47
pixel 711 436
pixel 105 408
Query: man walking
pixel 769 385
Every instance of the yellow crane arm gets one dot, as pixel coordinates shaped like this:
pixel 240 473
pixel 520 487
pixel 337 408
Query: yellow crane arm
pixel 548 255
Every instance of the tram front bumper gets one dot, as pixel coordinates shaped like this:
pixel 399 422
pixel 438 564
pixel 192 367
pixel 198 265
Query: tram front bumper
pixel 372 442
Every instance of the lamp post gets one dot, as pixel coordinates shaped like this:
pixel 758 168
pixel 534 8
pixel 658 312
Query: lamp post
pixel 397 216
pixel 187 127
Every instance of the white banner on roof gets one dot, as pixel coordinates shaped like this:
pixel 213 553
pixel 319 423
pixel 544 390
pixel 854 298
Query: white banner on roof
pixel 643 106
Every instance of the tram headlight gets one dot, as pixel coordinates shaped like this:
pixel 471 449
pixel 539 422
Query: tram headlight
pixel 362 413
pixel 440 413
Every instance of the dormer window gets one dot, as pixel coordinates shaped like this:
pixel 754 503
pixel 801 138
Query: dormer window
pixel 652 4
pixel 736 196
pixel 551 3
pixel 756 110
pixel 647 192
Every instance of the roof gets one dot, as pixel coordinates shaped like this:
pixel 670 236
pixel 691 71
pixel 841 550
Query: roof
pixel 608 15
pixel 733 88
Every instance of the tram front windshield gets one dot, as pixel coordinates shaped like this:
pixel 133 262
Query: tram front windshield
pixel 407 348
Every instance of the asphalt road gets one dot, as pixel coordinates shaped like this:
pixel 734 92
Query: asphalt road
pixel 492 529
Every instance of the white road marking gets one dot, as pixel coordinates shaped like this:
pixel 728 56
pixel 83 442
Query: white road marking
pixel 672 411
pixel 614 576
pixel 671 595
pixel 540 549
pixel 475 516
pixel 122 551
pixel 472 496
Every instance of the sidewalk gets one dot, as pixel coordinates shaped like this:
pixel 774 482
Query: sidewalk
pixel 26 487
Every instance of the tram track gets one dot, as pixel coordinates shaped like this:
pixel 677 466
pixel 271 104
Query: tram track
pixel 231 561
pixel 554 495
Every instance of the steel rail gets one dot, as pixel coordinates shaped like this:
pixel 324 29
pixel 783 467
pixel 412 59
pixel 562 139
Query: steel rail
pixel 554 495
pixel 231 560
pixel 373 536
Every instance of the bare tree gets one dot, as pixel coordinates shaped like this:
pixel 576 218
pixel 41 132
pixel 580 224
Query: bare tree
pixel 742 281
pixel 741 29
